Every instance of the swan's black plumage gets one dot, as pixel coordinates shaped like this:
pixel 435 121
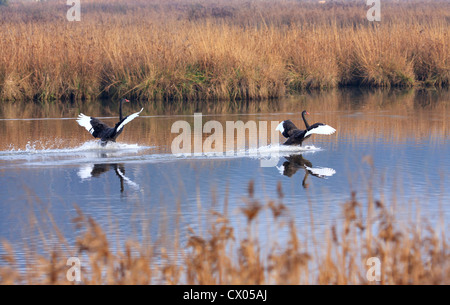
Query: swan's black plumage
pixel 293 164
pixel 296 136
pixel 296 162
pixel 95 170
pixel 100 130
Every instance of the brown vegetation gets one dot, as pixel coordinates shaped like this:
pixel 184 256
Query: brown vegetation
pixel 165 50
pixel 409 254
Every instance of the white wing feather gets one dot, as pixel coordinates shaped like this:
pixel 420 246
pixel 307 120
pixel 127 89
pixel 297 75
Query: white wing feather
pixel 321 171
pixel 130 118
pixel 281 169
pixel 280 127
pixel 85 171
pixel 322 129
pixel 85 121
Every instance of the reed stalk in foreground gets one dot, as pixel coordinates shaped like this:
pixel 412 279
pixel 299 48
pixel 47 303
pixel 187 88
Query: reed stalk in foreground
pixel 218 50
pixel 411 254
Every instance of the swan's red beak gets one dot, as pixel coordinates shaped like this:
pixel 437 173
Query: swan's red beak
pixel 307 112
pixel 127 101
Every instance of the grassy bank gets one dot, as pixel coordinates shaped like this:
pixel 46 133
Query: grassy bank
pixel 410 253
pixel 165 50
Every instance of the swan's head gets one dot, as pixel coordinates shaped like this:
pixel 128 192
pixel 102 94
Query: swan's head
pixel 125 100
pixel 305 112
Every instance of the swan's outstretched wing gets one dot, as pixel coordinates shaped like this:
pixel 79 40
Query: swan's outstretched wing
pixel 93 125
pixel 128 119
pixel 85 171
pixel 320 128
pixel 85 121
pixel 321 172
pixel 286 128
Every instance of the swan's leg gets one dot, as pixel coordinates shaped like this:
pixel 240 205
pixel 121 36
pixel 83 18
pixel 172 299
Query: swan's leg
pixel 304 184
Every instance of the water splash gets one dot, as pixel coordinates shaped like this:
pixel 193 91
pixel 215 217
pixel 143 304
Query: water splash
pixel 284 149
pixel 54 147
pixel 57 153
pixel 273 150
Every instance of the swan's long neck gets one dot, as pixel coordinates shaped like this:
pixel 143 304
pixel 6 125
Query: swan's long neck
pixel 120 110
pixel 304 120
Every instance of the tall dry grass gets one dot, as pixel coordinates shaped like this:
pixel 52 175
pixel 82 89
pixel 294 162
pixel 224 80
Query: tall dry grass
pixel 409 254
pixel 165 50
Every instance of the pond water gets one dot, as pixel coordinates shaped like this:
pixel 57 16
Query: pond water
pixel 393 145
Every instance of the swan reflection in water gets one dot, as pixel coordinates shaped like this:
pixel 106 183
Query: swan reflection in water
pixel 296 162
pixel 95 170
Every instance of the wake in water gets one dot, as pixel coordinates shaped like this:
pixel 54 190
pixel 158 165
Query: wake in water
pixel 92 152
pixel 259 152
pixel 39 153
pixel 283 150
pixel 39 147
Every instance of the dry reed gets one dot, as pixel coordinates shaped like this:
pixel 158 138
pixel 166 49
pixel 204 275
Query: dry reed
pixel 411 254
pixel 186 50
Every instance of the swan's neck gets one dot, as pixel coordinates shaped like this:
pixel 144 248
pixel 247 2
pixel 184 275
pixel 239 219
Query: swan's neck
pixel 304 120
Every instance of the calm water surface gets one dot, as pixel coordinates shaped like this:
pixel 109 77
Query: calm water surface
pixel 392 143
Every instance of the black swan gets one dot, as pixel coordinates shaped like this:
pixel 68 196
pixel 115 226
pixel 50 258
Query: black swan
pixel 293 164
pixel 296 162
pixel 98 129
pixel 95 170
pixel 296 136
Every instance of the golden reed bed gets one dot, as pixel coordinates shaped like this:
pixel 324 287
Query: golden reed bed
pixel 165 50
